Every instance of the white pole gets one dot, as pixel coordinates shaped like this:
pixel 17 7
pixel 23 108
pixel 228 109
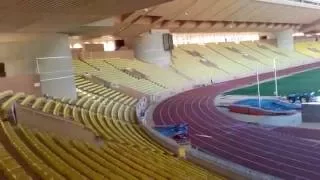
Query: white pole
pixel 38 70
pixel 258 83
pixel 275 77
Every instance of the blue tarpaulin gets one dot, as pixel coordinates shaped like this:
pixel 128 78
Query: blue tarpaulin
pixel 179 132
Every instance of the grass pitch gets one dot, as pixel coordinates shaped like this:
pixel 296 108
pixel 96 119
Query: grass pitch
pixel 307 81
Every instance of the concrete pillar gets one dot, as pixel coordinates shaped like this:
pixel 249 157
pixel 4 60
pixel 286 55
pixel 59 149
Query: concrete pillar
pixel 285 40
pixel 20 54
pixel 149 48
pixel 54 65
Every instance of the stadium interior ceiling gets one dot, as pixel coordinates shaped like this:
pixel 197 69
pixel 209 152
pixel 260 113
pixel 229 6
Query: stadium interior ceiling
pixel 49 16
pixel 126 18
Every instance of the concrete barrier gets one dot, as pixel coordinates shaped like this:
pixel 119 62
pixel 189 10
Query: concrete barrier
pixel 168 143
pixel 36 119
pixel 224 167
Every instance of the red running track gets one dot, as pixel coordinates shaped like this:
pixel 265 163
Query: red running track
pixel 265 149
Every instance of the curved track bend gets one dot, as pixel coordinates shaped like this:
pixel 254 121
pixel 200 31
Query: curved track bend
pixel 279 152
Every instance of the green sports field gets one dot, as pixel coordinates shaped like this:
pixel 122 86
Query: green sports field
pixel 307 81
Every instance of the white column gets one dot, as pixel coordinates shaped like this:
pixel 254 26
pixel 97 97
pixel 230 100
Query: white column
pixel 285 40
pixel 258 85
pixel 275 77
pixel 19 54
pixel 54 65
pixel 148 47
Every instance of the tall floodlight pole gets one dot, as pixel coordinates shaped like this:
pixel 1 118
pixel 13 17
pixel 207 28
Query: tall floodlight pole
pixel 275 77
pixel 258 84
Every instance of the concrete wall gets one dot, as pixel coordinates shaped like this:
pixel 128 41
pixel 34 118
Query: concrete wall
pixel 272 42
pixel 270 35
pixel 20 66
pixel 122 54
pixel 21 83
pixel 285 40
pixel 20 61
pixel 18 58
pixel 53 124
pixel 149 48
pixel 93 47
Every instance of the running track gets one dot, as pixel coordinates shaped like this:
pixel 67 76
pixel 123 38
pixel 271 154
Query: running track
pixel 276 151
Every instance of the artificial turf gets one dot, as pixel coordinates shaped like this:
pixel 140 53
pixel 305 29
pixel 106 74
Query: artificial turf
pixel 307 81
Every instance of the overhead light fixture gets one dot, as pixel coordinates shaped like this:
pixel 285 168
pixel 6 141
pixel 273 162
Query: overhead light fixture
pixel 298 34
pixel 75 37
pixel 146 9
pixel 108 37
pixel 186 13
pixel 77 46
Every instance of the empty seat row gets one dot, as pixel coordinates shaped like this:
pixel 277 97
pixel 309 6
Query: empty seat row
pixel 113 75
pixel 98 117
pixel 10 167
pixel 152 71
pixel 85 86
pixel 49 156
pixel 308 48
